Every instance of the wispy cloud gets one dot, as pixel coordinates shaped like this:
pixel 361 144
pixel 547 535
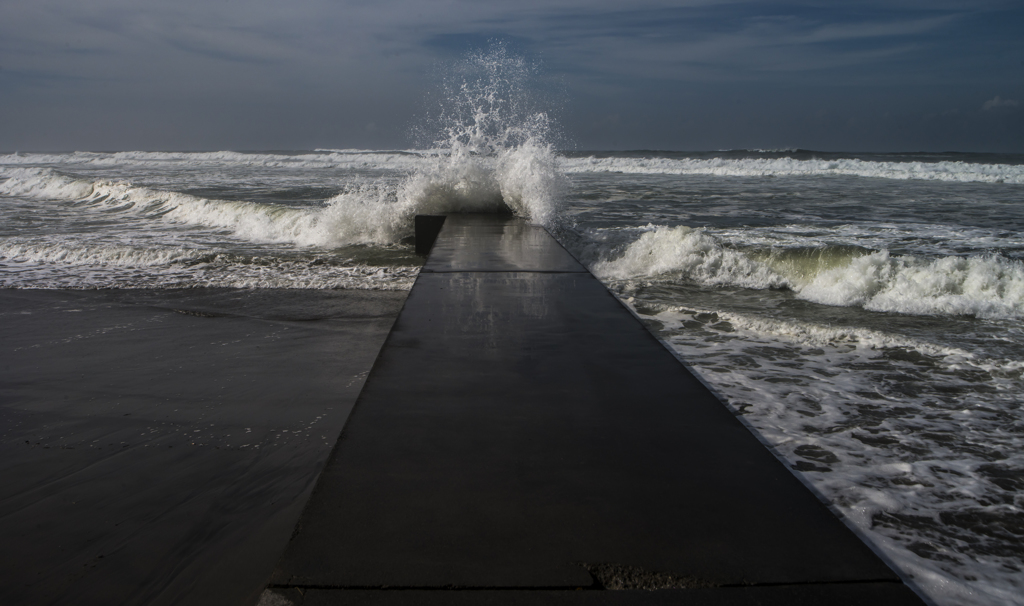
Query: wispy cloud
pixel 998 102
pixel 360 59
pixel 698 39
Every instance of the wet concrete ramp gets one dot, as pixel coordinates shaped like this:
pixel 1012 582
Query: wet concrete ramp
pixel 522 438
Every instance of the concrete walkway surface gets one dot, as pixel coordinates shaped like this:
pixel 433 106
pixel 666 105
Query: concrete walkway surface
pixel 523 439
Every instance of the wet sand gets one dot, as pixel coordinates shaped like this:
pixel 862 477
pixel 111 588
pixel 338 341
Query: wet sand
pixel 157 447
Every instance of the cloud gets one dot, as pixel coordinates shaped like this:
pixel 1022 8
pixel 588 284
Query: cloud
pixel 673 40
pixel 998 102
pixel 320 69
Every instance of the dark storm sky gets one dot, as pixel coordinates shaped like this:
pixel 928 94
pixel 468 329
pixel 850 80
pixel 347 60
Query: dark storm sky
pixel 224 74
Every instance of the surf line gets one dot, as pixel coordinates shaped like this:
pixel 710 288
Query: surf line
pixel 521 430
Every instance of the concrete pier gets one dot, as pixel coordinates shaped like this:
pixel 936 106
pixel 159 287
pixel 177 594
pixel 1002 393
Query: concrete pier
pixel 522 438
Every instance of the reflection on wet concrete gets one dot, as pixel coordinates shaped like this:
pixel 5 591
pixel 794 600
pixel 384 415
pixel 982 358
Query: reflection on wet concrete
pixel 158 446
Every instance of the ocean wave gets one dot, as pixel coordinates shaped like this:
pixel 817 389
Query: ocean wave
pixel 415 159
pixel 247 220
pixel 340 159
pixel 254 276
pixel 989 286
pixel 494 155
pixel 789 167
pixel 90 265
pixel 524 178
pixel 812 335
pixel 17 250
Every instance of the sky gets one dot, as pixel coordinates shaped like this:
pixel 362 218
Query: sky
pixel 894 75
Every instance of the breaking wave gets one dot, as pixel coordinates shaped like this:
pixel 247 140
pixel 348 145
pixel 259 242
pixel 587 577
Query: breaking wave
pixel 789 167
pixel 115 255
pixel 414 160
pixel 89 265
pixel 338 159
pixel 246 220
pixel 813 335
pixel 493 155
pixel 989 286
pixel 498 154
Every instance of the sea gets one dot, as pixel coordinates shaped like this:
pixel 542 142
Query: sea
pixel 860 312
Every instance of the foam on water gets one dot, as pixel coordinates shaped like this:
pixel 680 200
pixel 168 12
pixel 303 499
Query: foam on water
pixel 20 250
pixel 789 167
pixel 522 179
pixel 330 159
pixel 70 262
pixel 917 238
pixel 44 183
pixel 412 160
pixel 918 443
pixel 908 421
pixel 989 286
pixel 247 220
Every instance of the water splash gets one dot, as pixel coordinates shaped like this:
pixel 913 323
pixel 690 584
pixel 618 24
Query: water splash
pixel 494 151
pixel 492 154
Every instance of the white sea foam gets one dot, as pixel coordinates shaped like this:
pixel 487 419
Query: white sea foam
pixel 219 274
pixel 920 238
pixel 328 159
pixel 693 253
pixel 415 159
pixel 247 220
pixel 789 167
pixel 73 263
pixel 521 178
pixel 21 251
pixel 44 183
pixel 811 335
pixel 988 286
pixel 917 442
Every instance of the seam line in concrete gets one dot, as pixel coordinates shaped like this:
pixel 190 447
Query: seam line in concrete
pixel 572 588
